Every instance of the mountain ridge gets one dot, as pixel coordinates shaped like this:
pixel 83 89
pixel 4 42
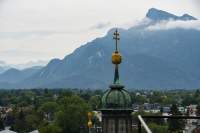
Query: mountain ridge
pixel 159 15
pixel 151 59
pixel 14 75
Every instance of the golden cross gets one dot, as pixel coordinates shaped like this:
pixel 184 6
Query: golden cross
pixel 116 38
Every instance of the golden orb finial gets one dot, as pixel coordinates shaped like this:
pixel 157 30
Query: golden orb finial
pixel 89 120
pixel 116 56
pixel 89 115
pixel 89 124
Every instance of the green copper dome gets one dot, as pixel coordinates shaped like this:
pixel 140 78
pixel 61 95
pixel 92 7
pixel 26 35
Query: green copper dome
pixel 116 98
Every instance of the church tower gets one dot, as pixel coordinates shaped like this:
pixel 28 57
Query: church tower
pixel 116 101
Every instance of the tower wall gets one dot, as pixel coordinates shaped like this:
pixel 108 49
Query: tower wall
pixel 117 121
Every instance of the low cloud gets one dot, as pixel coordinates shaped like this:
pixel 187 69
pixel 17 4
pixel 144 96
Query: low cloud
pixel 23 34
pixel 101 25
pixel 21 56
pixel 29 64
pixel 20 52
pixel 165 25
pixel 25 64
pixel 38 34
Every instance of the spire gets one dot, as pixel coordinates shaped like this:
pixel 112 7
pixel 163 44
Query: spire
pixel 116 57
pixel 116 38
pixel 116 97
pixel 116 76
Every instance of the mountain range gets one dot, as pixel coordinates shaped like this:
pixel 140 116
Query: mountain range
pixel 165 58
pixel 6 66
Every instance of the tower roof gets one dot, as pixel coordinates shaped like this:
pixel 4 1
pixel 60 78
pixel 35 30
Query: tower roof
pixel 116 97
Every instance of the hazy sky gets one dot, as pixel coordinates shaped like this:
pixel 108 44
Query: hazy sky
pixel 33 30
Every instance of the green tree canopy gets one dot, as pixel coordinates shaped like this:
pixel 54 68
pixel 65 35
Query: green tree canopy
pixel 72 114
pixel 50 128
pixel 95 101
pixel 48 109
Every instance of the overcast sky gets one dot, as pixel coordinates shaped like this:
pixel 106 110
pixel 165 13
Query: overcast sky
pixel 33 30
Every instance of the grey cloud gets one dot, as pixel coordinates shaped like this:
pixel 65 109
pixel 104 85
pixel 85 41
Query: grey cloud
pixel 197 4
pixel 22 34
pixel 2 63
pixel 165 25
pixel 24 65
pixel 101 25
pixel 29 64
pixel 19 52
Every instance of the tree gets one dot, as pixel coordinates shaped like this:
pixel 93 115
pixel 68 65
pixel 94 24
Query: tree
pixel 50 128
pixel 175 125
pixel 197 93
pixel 72 114
pixel 95 102
pixel 32 121
pixel 20 124
pixel 48 109
pixel 26 119
pixel 157 128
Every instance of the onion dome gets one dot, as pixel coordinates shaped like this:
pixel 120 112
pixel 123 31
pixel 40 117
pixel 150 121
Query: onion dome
pixel 116 98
